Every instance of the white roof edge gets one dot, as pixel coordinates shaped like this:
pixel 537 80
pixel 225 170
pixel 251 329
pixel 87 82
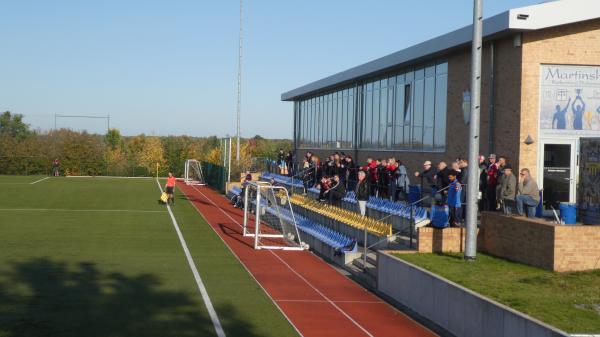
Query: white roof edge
pixel 540 16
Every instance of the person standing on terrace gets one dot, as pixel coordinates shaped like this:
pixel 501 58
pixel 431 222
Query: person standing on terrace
pixel 362 192
pixel 427 179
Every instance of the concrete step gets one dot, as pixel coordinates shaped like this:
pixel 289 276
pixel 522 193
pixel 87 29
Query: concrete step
pixel 370 269
pixel 358 275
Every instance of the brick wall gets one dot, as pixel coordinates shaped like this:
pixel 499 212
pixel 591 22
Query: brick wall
pixel 576 248
pixel 518 239
pixel 539 243
pixel 438 240
pixel 576 44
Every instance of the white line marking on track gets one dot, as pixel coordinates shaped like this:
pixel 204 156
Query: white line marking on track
pixel 324 301
pixel 297 274
pixel 37 181
pixel 243 265
pixel 76 210
pixel 207 302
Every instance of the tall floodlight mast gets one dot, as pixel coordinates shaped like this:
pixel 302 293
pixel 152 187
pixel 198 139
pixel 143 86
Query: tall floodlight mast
pixel 239 87
pixel 473 183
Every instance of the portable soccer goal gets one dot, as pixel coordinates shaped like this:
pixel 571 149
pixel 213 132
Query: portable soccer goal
pixel 193 173
pixel 274 224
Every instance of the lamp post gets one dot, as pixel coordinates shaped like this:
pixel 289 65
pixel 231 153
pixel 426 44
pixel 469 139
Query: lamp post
pixel 239 88
pixel 473 181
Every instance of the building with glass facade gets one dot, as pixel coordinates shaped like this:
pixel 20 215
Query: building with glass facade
pixel 540 95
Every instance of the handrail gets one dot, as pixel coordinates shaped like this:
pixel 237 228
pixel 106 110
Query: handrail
pixel 412 218
pixel 413 204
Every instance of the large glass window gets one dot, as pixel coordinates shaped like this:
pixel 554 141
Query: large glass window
pixel 383 123
pixel 441 93
pixel 376 116
pixel 390 115
pixel 418 95
pixel 405 111
pixel 429 108
pixel 351 119
pixel 368 116
pixel 399 113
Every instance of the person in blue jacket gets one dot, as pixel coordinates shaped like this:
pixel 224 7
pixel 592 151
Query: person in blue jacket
pixel 454 204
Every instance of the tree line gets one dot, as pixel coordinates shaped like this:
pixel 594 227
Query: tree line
pixel 24 151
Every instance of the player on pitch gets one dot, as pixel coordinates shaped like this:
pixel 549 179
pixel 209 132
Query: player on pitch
pixel 170 187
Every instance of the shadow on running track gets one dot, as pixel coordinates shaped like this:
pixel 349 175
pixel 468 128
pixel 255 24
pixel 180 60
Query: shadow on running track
pixel 234 232
pixel 44 298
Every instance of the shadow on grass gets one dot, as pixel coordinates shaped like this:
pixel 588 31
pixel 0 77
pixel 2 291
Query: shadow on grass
pixel 455 256
pixel 44 298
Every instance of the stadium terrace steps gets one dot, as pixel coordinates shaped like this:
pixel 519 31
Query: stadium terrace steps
pixel 396 213
pixel 378 228
pixel 234 191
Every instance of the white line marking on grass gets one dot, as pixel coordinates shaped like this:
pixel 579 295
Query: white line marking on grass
pixel 76 210
pixel 37 181
pixel 207 302
pixel 110 177
pixel 297 274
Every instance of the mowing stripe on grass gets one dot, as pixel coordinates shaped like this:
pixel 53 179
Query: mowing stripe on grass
pixel 327 299
pixel 207 302
pixel 37 181
pixel 76 210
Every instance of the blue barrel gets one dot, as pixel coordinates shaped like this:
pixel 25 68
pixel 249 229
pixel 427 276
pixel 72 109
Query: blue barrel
pixel 439 216
pixel 539 209
pixel 568 213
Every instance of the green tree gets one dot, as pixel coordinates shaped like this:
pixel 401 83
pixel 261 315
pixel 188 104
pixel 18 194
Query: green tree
pixel 113 139
pixel 12 125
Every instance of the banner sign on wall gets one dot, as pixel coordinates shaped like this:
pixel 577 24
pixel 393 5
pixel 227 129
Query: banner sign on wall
pixel 570 100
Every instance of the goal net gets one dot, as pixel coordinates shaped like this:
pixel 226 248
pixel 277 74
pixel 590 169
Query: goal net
pixel 193 173
pixel 269 217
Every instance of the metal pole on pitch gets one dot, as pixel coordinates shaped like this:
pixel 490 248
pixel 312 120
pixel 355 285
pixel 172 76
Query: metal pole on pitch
pixel 246 207
pixel 229 164
pixel 257 222
pixel 473 181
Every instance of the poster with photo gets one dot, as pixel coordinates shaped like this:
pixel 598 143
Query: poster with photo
pixel 570 100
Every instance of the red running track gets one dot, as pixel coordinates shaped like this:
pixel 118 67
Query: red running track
pixel 317 299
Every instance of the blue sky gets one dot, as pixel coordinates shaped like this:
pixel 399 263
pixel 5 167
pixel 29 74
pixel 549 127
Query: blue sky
pixel 170 67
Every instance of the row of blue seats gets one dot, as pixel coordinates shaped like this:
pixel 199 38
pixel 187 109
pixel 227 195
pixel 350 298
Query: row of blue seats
pixel 289 181
pixel 322 233
pixel 388 206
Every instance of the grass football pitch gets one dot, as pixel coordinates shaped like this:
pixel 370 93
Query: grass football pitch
pixel 100 257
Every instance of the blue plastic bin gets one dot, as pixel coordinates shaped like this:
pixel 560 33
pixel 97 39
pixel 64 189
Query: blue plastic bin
pixel 568 213
pixel 439 216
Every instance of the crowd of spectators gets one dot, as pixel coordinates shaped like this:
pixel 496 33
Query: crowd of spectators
pixel 389 178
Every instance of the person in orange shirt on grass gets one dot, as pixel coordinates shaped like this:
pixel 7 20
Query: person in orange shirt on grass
pixel 170 187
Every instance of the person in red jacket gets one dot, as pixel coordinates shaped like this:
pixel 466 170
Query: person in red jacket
pixel 371 170
pixel 492 182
